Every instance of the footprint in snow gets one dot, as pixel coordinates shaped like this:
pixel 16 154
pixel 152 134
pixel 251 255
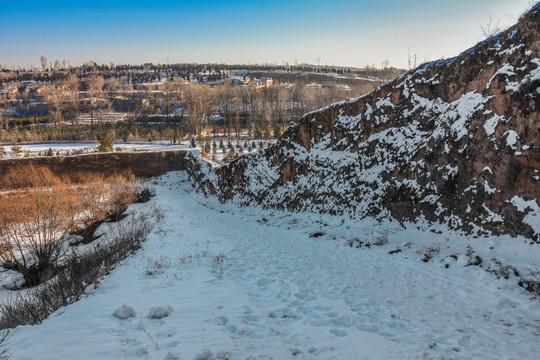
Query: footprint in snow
pixel 332 315
pixel 167 333
pixel 342 321
pixel 205 355
pixel 221 320
pixel 171 356
pixel 250 319
pixel 338 332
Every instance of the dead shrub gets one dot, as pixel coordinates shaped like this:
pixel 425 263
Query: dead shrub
pixel 35 219
pixel 357 243
pixel 531 283
pixel 29 176
pixel 32 222
pixel 382 237
pixel 429 252
pixel 502 270
pixel 75 275
pixel 4 351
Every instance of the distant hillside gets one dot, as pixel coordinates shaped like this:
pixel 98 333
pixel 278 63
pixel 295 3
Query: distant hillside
pixel 455 140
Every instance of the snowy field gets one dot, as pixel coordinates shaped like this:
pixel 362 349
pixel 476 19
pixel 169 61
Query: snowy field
pixel 243 283
pixel 63 149
pixel 89 147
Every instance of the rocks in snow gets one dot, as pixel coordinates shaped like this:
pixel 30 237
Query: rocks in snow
pixel 124 312
pixel 171 356
pixel 159 312
pixel 156 312
pixel 205 355
pixel 223 355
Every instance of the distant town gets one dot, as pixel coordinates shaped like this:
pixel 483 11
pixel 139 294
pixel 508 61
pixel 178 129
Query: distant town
pixel 58 102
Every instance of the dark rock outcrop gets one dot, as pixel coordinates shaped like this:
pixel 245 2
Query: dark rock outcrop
pixel 455 140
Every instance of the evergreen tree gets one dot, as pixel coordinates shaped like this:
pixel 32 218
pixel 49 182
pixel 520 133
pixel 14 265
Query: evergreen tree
pixel 200 138
pixel 230 156
pixel 105 145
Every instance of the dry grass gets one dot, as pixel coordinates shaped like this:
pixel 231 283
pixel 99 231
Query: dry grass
pixel 41 209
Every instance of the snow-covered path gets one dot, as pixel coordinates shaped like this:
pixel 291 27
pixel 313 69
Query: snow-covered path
pixel 250 284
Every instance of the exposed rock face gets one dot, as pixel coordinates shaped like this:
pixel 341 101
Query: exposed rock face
pixel 455 140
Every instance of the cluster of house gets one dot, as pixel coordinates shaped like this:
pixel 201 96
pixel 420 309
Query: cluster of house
pixel 263 82
pixel 329 84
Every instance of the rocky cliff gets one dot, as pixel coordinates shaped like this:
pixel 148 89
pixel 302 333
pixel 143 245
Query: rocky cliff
pixel 455 140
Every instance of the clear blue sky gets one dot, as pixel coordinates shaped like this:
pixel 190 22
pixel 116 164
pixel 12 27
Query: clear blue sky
pixel 341 32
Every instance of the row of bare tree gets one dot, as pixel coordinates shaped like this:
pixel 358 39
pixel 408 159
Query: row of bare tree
pixel 228 107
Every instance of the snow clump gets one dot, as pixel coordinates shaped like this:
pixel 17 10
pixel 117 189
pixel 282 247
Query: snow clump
pixel 125 312
pixel 159 312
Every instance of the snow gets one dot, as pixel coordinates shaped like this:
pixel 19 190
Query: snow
pixel 532 76
pixel 159 312
pixel 512 34
pixel 65 149
pixel 532 210
pixel 462 111
pixel 511 50
pixel 247 283
pixel 491 216
pixel 511 139
pixel 506 69
pixel 491 124
pixel 125 312
pixel 90 147
pixel 488 189
pixel 488 169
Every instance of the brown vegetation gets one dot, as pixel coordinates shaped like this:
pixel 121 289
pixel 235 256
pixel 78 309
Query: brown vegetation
pixel 77 273
pixel 41 209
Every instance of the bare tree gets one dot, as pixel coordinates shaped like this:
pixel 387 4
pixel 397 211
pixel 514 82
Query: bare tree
pixel 72 94
pixel 4 111
pixel 284 100
pixel 238 105
pixel 167 101
pixel 57 64
pixel 269 110
pixel 198 100
pixel 491 28
pixel 43 61
pixel 96 96
pixel 55 100
pixel 29 231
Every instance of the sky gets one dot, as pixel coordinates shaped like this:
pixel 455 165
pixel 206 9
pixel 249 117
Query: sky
pixel 338 32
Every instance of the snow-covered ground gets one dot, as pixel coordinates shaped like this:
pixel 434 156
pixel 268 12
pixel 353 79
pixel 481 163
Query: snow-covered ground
pixel 243 283
pixel 90 147
pixel 63 149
